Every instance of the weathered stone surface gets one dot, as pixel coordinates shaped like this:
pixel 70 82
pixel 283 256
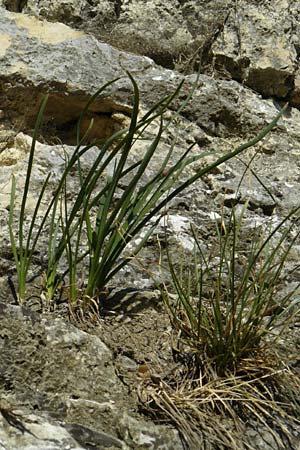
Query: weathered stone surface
pixel 50 372
pixel 164 30
pixel 141 435
pixel 258 46
pixel 43 347
pixel 79 66
pixel 127 25
pixel 48 158
pixel 49 368
pixel 41 433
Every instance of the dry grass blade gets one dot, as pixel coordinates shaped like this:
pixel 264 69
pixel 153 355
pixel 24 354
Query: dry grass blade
pixel 212 413
pixel 200 427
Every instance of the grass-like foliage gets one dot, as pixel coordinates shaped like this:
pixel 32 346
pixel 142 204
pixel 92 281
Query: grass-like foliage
pixel 229 301
pixel 228 310
pixel 105 216
pixel 23 247
pixel 227 307
pixel 217 413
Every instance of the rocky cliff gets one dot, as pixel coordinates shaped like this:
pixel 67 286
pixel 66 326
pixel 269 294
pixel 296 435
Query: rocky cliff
pixel 63 387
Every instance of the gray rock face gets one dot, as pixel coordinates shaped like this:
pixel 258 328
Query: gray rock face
pixel 60 383
pixel 258 47
pixel 256 44
pixel 39 344
pixel 79 66
pixel 71 80
pixel 128 25
pixel 41 433
pixel 52 373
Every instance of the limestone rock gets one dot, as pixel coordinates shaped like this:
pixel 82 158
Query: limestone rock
pixel 55 378
pixel 80 65
pixel 37 433
pixel 59 384
pixel 179 27
pixel 144 436
pixel 29 358
pixel 255 44
pixel 257 48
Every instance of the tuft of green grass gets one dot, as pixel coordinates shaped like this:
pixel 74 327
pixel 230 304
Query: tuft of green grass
pixel 23 246
pixel 228 309
pixel 226 305
pixel 106 217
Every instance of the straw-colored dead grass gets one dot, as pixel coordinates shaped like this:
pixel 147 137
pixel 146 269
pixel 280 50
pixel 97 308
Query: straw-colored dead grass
pixel 213 412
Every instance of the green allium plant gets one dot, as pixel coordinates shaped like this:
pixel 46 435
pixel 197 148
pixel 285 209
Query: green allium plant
pixel 110 217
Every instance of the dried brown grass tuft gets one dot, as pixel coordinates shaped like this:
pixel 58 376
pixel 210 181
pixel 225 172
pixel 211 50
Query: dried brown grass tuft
pixel 213 412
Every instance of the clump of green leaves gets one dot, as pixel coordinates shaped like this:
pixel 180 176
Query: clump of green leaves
pixel 227 309
pixel 24 246
pixel 107 216
pixel 227 304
